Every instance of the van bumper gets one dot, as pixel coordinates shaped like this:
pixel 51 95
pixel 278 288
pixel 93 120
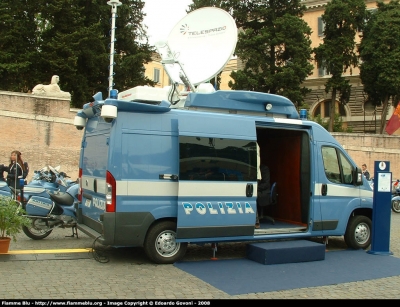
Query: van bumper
pixel 125 228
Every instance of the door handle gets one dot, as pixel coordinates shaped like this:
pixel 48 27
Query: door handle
pixel 249 190
pixel 324 189
pixel 168 176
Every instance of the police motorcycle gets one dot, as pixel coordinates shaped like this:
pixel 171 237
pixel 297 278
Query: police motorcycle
pixel 396 197
pixel 41 180
pixel 51 208
pixel 47 178
pixel 55 210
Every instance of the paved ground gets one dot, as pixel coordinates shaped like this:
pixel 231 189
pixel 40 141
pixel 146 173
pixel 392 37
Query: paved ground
pixel 127 274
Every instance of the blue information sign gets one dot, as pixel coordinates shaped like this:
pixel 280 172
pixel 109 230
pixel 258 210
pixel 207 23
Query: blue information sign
pixel 381 214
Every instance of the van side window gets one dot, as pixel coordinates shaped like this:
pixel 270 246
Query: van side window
pixel 346 169
pixel 217 159
pixel 337 166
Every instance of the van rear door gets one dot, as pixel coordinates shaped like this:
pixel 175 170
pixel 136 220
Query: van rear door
pixel 217 177
pixel 94 156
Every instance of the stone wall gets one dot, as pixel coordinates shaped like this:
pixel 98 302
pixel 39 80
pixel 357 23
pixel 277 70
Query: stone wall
pixel 42 129
pixel 367 148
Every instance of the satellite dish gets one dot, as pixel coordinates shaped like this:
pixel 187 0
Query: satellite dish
pixel 199 46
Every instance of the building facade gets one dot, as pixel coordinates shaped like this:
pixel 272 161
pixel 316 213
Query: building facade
pixel 357 115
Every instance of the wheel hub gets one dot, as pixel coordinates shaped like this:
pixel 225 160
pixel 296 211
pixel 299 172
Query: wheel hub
pixel 39 226
pixel 166 244
pixel 362 233
pixel 396 206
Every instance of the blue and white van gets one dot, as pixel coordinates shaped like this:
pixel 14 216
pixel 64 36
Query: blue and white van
pixel 161 175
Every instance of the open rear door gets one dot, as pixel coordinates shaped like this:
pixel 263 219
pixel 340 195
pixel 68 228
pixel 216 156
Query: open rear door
pixel 217 178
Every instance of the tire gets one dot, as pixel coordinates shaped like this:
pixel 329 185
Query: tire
pixel 36 230
pixel 396 205
pixel 358 232
pixel 160 245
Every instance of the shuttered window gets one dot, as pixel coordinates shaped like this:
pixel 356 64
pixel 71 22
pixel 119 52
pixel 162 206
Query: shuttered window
pixel 321 27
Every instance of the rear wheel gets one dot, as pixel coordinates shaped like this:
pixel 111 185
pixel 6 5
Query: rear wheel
pixel 38 229
pixel 396 206
pixel 160 244
pixel 358 232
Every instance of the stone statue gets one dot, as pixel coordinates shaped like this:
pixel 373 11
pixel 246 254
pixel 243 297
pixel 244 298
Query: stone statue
pixel 52 89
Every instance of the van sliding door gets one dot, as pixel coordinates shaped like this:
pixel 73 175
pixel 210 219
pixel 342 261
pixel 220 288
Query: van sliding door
pixel 217 178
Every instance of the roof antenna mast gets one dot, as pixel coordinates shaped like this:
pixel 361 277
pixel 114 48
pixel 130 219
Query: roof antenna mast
pixel 114 4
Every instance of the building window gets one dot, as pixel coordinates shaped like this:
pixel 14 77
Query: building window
pixel 156 77
pixel 321 27
pixel 322 71
pixel 371 11
pixel 324 107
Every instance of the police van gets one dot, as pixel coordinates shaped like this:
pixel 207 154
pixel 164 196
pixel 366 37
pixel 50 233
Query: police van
pixel 161 177
pixel 162 168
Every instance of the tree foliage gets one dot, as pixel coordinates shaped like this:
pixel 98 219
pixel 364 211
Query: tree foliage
pixel 273 43
pixel 18 43
pixel 342 19
pixel 380 55
pixel 337 123
pixel 71 38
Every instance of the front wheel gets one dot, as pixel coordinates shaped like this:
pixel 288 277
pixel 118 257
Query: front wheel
pixel 160 244
pixel 38 229
pixel 358 232
pixel 396 205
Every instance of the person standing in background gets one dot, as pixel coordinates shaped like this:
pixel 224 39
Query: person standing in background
pixel 16 170
pixel 365 171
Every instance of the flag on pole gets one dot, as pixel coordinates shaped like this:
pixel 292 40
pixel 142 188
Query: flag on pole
pixel 394 122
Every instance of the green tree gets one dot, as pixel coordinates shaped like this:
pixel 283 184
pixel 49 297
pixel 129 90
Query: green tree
pixel 70 38
pixel 342 19
pixel 273 43
pixel 380 55
pixel 337 123
pixel 18 44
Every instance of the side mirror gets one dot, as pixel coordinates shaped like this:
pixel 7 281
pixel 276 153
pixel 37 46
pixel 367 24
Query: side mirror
pixel 357 176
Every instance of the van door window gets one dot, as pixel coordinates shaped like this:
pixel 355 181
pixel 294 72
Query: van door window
pixel 337 166
pixel 217 159
pixel 95 156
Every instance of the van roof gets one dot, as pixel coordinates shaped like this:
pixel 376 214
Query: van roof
pixel 240 102
pixel 243 101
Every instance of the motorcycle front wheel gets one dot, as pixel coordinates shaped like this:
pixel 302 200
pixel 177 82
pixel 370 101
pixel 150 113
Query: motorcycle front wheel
pixel 396 206
pixel 38 229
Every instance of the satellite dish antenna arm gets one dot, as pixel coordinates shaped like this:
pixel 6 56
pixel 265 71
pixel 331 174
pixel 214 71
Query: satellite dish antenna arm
pixel 185 79
pixel 168 57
